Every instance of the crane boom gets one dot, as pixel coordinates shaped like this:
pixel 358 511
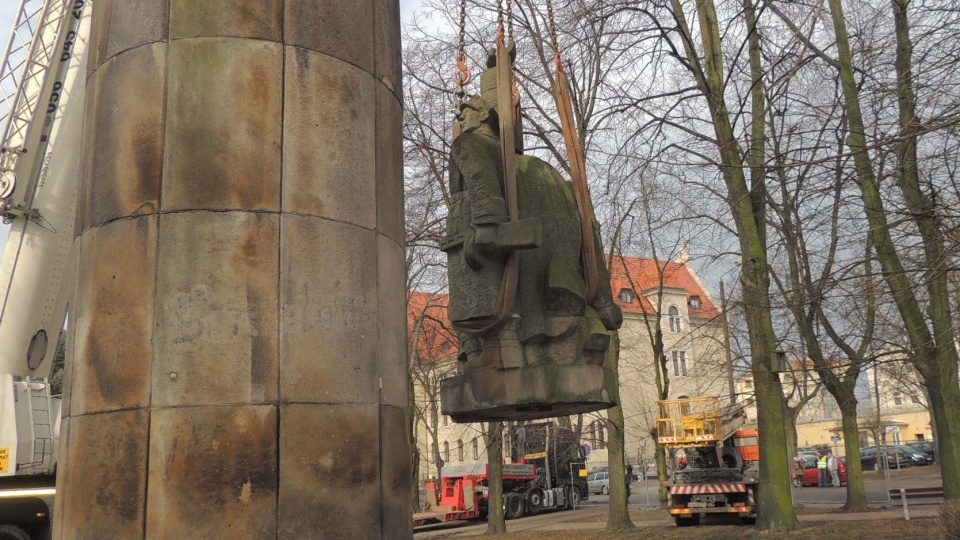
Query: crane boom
pixel 39 177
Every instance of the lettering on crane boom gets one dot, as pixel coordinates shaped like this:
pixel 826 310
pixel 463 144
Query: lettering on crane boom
pixel 4 459
pixel 78 9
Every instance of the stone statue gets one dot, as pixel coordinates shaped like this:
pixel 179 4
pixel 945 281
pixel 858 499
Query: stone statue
pixel 552 337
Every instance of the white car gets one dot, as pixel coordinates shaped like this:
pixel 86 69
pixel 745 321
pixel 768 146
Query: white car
pixel 599 482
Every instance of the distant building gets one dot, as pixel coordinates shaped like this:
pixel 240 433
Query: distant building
pixel 903 415
pixel 669 295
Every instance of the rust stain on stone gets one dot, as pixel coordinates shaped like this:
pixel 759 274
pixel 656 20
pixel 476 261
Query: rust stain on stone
pixel 106 500
pixel 220 462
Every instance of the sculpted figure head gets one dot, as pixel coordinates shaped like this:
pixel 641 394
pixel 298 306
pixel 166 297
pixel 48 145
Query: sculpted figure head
pixel 476 112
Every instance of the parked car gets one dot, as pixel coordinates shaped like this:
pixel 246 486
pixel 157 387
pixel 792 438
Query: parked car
pixel 894 459
pixel 916 457
pixel 598 482
pixel 810 474
pixel 927 448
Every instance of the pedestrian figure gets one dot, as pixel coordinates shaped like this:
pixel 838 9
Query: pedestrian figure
pixel 798 472
pixel 833 465
pixel 822 472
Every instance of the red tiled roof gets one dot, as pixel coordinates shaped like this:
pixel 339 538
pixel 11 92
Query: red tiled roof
pixel 428 327
pixel 641 275
pixel 438 341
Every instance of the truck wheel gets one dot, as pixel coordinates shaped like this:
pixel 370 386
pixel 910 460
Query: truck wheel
pixel 534 498
pixel 12 532
pixel 513 505
pixel 691 521
pixel 573 497
pixel 744 520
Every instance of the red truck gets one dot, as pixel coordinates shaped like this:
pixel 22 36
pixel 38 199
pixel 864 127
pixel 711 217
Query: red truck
pixel 548 471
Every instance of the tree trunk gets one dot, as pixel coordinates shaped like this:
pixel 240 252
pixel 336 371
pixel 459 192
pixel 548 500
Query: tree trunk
pixel 775 505
pixel 790 428
pixel 494 441
pixel 856 494
pixel 414 442
pixel 619 516
pixel 435 442
pixel 663 475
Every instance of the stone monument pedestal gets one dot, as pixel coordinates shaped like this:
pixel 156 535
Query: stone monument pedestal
pixel 527 393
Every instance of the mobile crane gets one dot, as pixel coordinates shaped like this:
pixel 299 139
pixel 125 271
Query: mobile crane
pixel 42 87
pixel 547 470
pixel 714 460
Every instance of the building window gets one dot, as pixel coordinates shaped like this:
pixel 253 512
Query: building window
pixel 446 451
pixel 897 398
pixel 679 363
pixel 915 398
pixel 444 420
pixel 674 315
pixel 626 296
pixel 459 450
pixel 748 383
pixel 695 302
pixel 476 449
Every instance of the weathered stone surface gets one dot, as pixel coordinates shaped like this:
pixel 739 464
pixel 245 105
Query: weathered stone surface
pixel 120 25
pixel 332 27
pixel 213 473
pixel 224 112
pixel 87 157
pixel 104 480
pixel 395 503
pixel 66 399
pixel 391 294
pixel 386 26
pixel 113 315
pixel 329 157
pixel 330 483
pixel 216 335
pixel 127 117
pixel 63 471
pixel 527 393
pixel 389 165
pixel 258 19
pixel 328 345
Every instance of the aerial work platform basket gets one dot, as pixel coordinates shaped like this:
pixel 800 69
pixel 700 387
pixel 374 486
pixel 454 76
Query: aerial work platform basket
pixel 696 422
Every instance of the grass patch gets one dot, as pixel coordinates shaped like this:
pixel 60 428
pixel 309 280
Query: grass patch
pixel 878 529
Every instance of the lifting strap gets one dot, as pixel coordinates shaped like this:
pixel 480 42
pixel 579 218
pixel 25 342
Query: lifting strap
pixel 578 169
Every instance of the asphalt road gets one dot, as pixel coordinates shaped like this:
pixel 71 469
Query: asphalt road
pixel 874 484
pixel 644 496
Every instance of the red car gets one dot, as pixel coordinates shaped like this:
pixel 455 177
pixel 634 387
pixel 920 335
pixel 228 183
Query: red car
pixel 810 473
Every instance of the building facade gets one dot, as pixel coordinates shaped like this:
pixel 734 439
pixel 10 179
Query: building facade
pixel 902 416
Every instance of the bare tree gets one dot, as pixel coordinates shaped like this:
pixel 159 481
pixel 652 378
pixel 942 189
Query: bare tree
pixel 921 290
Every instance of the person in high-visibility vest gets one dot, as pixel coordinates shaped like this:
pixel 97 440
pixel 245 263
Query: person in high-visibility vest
pixel 823 475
